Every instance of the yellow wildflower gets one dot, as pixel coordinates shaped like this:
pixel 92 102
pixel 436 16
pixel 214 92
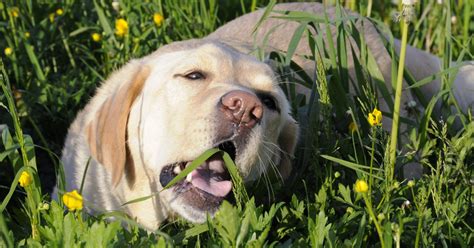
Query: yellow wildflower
pixel 15 12
pixel 361 186
pixel 96 37
pixel 72 200
pixel 411 183
pixel 27 35
pixel 158 19
pixel 59 12
pixel 51 17
pixel 25 179
pixel 352 127
pixel 8 51
pixel 121 27
pixel 375 118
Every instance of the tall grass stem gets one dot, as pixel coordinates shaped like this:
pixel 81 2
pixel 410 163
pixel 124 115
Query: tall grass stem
pixel 398 96
pixel 369 8
pixel 368 203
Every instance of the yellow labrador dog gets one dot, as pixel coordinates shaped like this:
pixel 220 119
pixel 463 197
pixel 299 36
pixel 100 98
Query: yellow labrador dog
pixel 156 114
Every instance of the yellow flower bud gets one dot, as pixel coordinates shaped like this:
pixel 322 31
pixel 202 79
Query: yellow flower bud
pixel 350 210
pixel 8 51
pixel 51 17
pixel 72 200
pixel 381 216
pixel 121 27
pixel 27 35
pixel 96 37
pixel 375 118
pixel 59 12
pixel 43 207
pixel 352 127
pixel 15 12
pixel 396 185
pixel 361 186
pixel 25 179
pixel 411 183
pixel 158 19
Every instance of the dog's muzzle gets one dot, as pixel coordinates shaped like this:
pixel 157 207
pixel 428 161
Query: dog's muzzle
pixel 208 185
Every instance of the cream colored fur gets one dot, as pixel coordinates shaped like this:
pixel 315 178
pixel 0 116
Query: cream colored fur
pixel 172 119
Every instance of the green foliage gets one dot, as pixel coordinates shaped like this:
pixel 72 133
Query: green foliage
pixel 55 67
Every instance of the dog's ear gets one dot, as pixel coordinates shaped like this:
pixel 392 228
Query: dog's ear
pixel 287 142
pixel 107 132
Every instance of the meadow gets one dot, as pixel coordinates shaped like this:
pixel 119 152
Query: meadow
pixel 348 188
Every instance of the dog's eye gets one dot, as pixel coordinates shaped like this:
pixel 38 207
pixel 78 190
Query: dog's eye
pixel 195 75
pixel 269 101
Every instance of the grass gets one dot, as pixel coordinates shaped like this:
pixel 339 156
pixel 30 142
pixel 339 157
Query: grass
pixel 54 66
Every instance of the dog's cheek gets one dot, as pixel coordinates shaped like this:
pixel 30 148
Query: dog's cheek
pixel 287 142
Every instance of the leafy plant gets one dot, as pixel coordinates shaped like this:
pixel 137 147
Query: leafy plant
pixel 53 65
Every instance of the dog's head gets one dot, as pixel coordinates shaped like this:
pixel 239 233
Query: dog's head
pixel 184 99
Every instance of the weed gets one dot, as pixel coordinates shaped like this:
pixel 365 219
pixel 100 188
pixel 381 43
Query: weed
pixel 347 189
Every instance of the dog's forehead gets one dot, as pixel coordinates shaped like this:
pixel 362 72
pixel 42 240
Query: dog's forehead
pixel 220 58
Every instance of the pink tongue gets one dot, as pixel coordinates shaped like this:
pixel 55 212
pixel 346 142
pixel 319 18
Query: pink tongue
pixel 202 179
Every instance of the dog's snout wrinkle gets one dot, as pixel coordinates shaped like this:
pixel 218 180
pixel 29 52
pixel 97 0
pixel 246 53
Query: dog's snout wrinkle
pixel 242 108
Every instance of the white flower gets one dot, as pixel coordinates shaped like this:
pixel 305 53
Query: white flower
pixel 411 104
pixel 406 204
pixel 454 19
pixel 116 5
pixel 408 2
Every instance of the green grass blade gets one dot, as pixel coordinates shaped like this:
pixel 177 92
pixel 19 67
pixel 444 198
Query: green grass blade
pixel 5 84
pixel 240 192
pixel 354 166
pixel 267 12
pixel 191 232
pixel 84 176
pixel 34 61
pixel 13 186
pixel 430 79
pixel 295 40
pixel 105 23
pixel 6 235
pixel 196 163
pixel 144 198
pixel 427 115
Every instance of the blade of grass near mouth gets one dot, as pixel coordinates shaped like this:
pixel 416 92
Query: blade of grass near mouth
pixel 196 163
pixel 240 193
pixel 239 189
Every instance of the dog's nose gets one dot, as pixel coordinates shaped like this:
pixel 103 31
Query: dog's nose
pixel 242 108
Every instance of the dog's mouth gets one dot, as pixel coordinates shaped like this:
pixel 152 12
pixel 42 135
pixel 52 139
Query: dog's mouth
pixel 206 186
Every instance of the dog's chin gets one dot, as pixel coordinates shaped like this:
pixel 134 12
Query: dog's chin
pixel 203 190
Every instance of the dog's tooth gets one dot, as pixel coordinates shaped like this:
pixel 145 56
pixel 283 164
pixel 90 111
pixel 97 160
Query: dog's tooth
pixel 177 169
pixel 189 177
